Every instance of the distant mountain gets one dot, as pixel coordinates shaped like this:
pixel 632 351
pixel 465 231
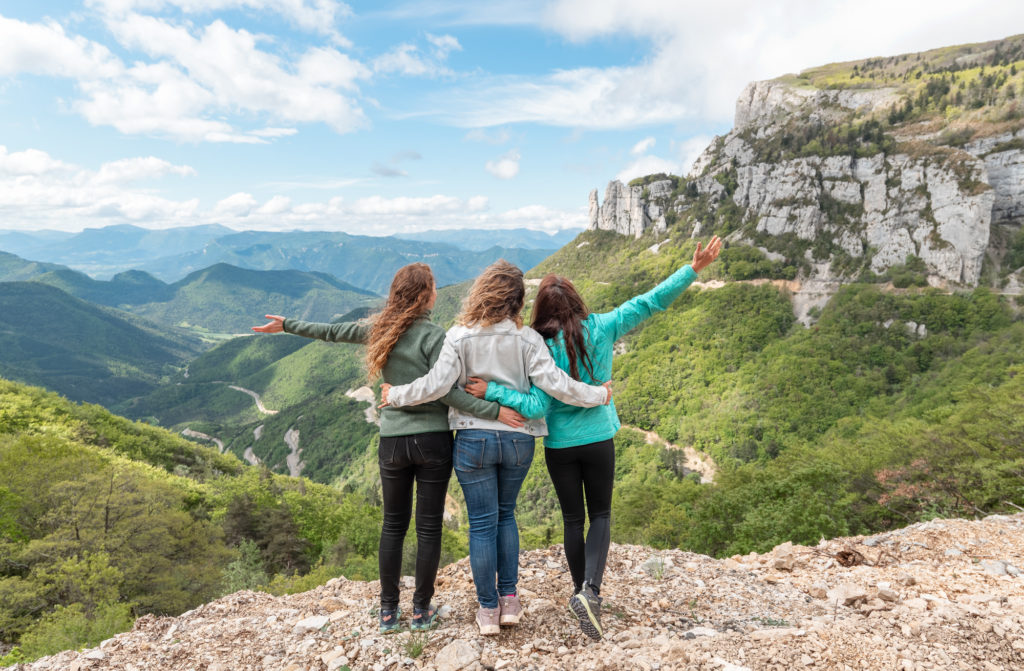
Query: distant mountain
pixel 479 239
pixel 102 252
pixel 83 351
pixel 363 261
pixel 14 268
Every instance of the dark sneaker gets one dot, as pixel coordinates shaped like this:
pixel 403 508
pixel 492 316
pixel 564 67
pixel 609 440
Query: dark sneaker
pixel 487 620
pixel 511 609
pixel 389 620
pixel 424 618
pixel 586 606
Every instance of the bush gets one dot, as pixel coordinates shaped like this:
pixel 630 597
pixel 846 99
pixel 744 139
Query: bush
pixel 73 627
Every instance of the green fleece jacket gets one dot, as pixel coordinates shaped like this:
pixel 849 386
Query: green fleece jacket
pixel 414 354
pixel 568 425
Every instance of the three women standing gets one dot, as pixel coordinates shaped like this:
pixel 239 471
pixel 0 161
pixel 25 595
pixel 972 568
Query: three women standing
pixel 491 461
pixel 415 443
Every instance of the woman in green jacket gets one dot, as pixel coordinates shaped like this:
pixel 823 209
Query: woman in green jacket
pixel 579 450
pixel 415 442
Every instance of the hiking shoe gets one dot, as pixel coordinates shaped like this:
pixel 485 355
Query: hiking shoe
pixel 586 605
pixel 511 609
pixel 487 619
pixel 389 620
pixel 424 618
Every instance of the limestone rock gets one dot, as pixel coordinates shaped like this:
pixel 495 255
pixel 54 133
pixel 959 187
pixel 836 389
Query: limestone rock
pixel 458 654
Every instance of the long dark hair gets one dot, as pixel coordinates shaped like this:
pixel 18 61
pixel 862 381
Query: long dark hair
pixel 408 300
pixel 560 308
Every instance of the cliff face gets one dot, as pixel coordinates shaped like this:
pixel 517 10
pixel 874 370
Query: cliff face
pixel 858 173
pixel 944 594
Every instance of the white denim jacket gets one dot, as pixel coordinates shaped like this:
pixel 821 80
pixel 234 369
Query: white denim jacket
pixel 510 355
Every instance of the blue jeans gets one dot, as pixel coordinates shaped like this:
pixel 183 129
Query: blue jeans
pixel 491 467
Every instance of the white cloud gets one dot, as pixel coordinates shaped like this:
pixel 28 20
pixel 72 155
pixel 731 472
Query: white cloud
pixel 131 169
pixel 703 54
pixel 30 162
pixel 195 79
pixel 320 16
pixel 276 205
pixel 236 205
pixel 377 205
pixel 443 45
pixel 506 167
pixel 690 149
pixel 643 146
pixel 647 165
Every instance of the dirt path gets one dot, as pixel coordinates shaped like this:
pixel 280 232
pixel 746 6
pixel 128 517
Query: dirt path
pixel 202 436
pixel 251 457
pixel 696 461
pixel 295 466
pixel 255 397
pixel 365 394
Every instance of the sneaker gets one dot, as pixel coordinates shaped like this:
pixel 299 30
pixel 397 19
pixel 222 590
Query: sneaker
pixel 424 618
pixel 487 619
pixel 586 605
pixel 389 620
pixel 511 609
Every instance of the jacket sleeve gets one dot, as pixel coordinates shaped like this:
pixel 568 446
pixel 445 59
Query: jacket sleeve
pixel 628 316
pixel 340 332
pixel 434 384
pixel 458 398
pixel 545 374
pixel 531 405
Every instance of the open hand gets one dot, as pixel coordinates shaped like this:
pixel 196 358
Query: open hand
pixel 276 325
pixel 384 389
pixel 702 257
pixel 608 385
pixel 477 387
pixel 511 417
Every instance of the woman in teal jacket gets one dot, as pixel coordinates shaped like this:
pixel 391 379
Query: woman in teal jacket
pixel 579 450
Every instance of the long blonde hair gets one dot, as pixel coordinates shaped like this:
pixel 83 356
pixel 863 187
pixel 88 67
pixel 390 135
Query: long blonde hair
pixel 496 295
pixel 408 300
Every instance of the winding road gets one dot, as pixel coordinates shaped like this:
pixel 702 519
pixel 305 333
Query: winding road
pixel 255 397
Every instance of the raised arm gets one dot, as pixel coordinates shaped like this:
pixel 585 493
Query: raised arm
pixel 628 316
pixel 341 332
pixel 433 385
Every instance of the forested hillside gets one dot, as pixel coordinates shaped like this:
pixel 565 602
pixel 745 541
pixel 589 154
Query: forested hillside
pixel 103 519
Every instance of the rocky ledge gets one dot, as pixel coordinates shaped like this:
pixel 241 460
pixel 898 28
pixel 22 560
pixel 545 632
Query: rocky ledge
pixel 945 594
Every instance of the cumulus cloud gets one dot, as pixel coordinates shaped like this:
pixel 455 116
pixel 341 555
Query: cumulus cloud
pixel 643 146
pixel 505 167
pixel 647 165
pixel 408 59
pixel 702 55
pixel 193 79
pixel 29 162
pixel 236 205
pixel 132 169
pixel 320 16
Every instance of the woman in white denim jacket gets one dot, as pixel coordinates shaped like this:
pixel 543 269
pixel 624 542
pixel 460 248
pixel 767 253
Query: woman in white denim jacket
pixel 490 342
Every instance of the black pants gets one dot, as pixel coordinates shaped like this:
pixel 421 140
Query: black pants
pixel 578 473
pixel 425 458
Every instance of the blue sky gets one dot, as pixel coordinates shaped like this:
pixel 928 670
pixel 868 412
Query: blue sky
pixel 375 117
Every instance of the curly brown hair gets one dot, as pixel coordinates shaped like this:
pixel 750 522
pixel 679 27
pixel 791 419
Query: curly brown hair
pixel 496 295
pixel 559 308
pixel 408 300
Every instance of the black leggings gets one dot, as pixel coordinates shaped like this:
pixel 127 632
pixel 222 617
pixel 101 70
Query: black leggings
pixel 427 459
pixel 584 471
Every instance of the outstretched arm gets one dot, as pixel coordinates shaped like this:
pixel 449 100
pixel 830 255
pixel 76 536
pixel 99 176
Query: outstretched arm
pixel 628 316
pixel 340 332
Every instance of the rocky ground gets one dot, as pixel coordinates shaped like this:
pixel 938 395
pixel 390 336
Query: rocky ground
pixel 946 594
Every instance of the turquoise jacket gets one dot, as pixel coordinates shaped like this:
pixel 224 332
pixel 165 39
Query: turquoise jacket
pixel 569 425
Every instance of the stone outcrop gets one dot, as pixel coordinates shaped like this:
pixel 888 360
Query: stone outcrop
pixel 939 203
pixel 630 210
pixel 944 594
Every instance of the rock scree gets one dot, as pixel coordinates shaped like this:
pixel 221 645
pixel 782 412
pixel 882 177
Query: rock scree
pixel 943 594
